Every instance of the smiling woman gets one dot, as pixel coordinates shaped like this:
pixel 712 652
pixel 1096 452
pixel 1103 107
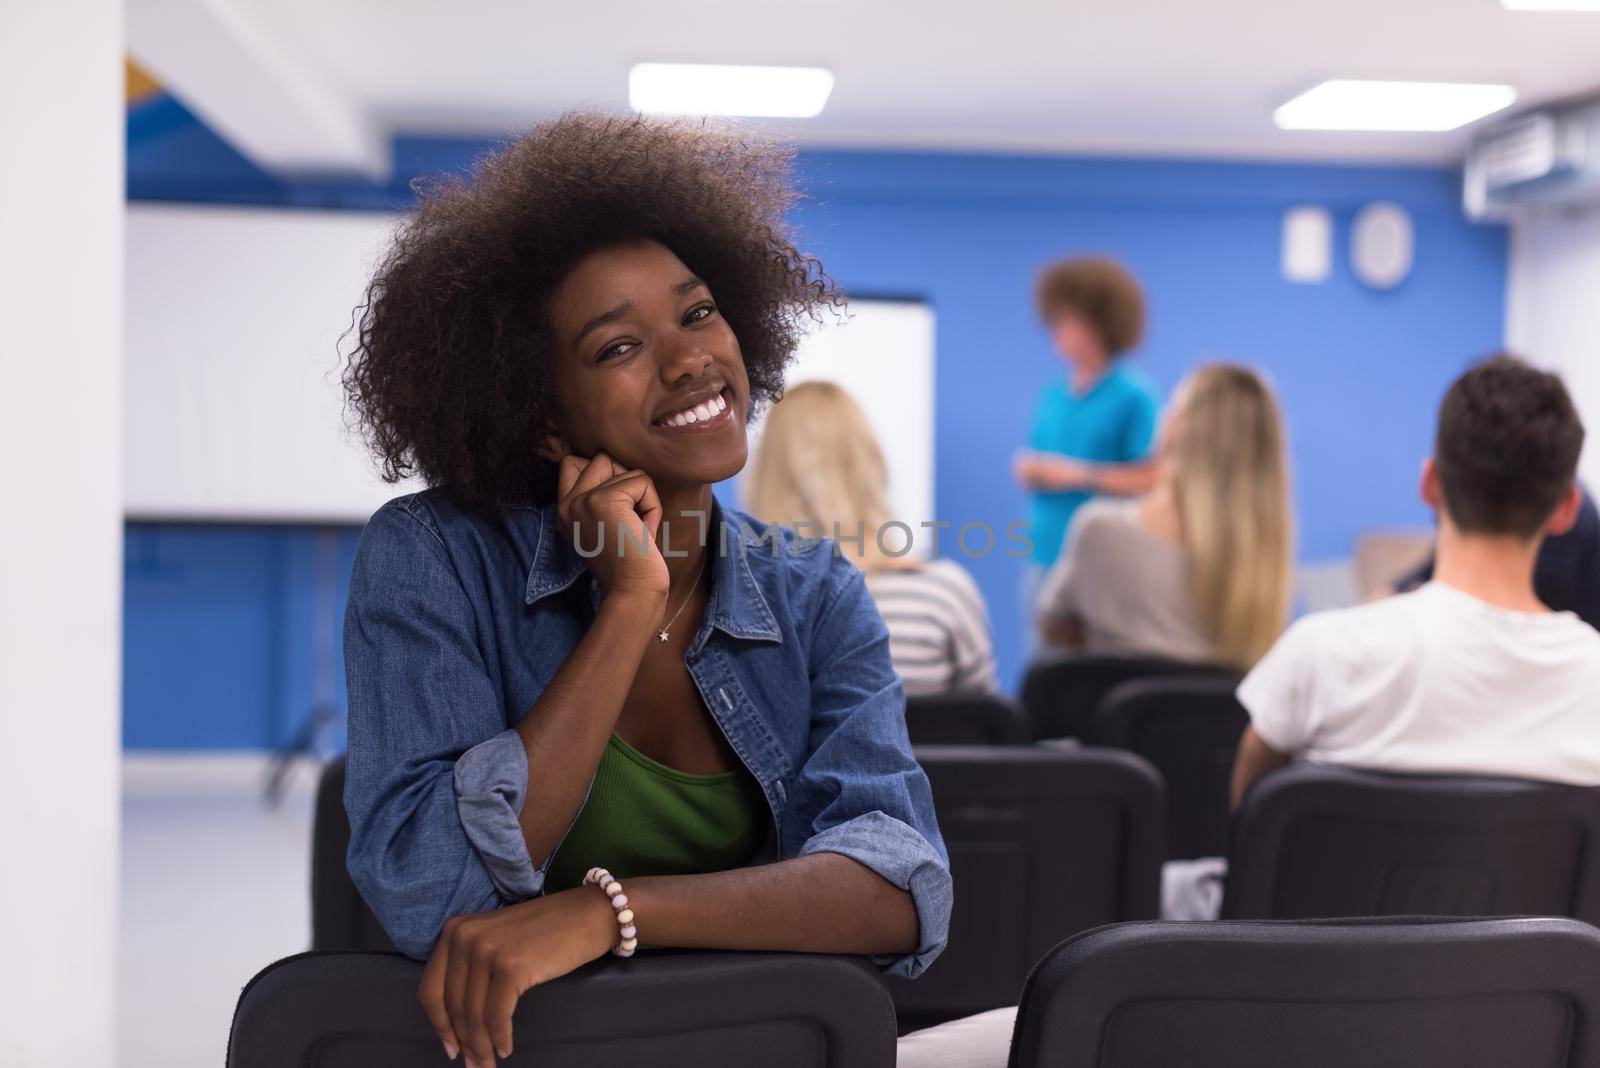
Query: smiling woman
pixel 571 343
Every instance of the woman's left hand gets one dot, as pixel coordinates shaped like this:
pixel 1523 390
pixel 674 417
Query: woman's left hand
pixel 1052 471
pixel 484 961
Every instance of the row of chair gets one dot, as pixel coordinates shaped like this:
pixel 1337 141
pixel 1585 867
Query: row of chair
pixel 1063 696
pixel 1064 693
pixel 1183 720
pixel 1048 841
pixel 1181 716
pixel 1483 992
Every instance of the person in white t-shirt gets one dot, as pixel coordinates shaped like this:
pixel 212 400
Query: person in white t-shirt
pixel 1470 673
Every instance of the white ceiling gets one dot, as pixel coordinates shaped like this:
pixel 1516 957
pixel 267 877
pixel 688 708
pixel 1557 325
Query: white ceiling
pixel 1119 76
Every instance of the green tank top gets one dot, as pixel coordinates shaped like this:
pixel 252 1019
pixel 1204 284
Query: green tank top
pixel 644 818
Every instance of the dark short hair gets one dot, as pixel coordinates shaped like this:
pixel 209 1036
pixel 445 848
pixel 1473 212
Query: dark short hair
pixel 449 377
pixel 1507 447
pixel 1100 290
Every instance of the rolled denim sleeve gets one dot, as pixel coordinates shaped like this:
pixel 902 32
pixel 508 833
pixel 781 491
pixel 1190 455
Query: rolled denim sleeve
pixel 860 792
pixel 491 779
pixel 436 777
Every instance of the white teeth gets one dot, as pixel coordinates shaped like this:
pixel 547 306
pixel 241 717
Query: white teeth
pixel 700 413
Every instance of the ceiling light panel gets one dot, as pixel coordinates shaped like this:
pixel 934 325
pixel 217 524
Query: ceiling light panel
pixel 707 89
pixel 1550 5
pixel 1344 104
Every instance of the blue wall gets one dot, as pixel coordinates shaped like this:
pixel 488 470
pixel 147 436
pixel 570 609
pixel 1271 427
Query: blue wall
pixel 1359 371
pixel 228 642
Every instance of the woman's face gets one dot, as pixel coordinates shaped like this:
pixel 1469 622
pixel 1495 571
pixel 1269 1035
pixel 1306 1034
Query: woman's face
pixel 1075 338
pixel 646 369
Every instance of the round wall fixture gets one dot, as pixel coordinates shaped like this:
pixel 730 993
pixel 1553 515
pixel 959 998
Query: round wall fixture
pixel 1382 245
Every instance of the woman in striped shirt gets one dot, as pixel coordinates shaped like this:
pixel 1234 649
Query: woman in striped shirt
pixel 820 470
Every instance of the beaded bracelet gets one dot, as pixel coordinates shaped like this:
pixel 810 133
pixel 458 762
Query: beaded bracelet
pixel 628 934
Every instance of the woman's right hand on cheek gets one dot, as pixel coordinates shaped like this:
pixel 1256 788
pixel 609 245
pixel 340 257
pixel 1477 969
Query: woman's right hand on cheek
pixel 599 493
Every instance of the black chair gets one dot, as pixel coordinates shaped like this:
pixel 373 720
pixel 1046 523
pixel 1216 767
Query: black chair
pixel 1061 693
pixel 1320 841
pixel 1465 993
pixel 1188 727
pixel 340 918
pixel 356 1010
pixel 965 719
pixel 1044 842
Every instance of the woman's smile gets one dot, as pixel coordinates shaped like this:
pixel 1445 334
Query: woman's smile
pixel 699 412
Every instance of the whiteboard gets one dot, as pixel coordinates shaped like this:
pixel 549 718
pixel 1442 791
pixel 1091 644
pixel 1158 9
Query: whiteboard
pixel 883 355
pixel 233 410
pixel 232 403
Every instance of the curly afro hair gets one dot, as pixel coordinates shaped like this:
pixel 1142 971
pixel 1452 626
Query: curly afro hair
pixel 1102 291
pixel 449 374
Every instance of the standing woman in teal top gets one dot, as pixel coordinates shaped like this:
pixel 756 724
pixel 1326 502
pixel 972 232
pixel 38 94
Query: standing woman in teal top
pixel 1092 433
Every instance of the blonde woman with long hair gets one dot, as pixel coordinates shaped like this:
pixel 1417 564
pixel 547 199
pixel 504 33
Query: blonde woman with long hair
pixel 1199 568
pixel 820 471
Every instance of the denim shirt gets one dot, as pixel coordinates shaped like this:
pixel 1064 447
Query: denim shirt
pixel 457 621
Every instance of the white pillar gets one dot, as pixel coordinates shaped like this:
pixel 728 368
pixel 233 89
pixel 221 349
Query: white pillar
pixel 1552 316
pixel 61 209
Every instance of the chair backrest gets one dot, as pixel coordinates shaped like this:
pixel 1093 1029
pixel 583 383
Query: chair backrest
pixel 340 918
pixel 1323 841
pixel 1044 841
pixel 355 1010
pixel 1188 726
pixel 1061 693
pixel 1254 994
pixel 965 719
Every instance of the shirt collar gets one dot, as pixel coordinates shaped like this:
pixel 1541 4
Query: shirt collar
pixel 737 607
pixel 1109 372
